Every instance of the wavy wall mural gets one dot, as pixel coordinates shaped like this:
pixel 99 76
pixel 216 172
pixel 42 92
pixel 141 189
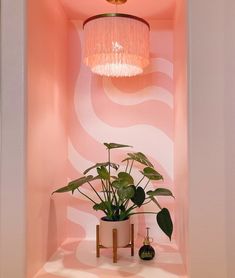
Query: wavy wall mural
pixel 137 111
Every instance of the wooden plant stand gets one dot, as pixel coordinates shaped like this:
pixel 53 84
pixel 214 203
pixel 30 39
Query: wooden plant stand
pixel 115 247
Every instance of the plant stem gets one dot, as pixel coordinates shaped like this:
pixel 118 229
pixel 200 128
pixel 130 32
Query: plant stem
pixel 95 191
pixel 146 184
pixel 109 160
pixel 131 208
pixel 149 212
pixel 109 171
pixel 146 202
pixel 127 164
pixel 110 188
pixel 125 204
pixel 104 189
pixel 86 196
pixel 107 190
pixel 156 202
pixel 132 162
pixel 114 195
pixel 140 181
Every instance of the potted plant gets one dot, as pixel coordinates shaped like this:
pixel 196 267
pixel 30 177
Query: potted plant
pixel 119 196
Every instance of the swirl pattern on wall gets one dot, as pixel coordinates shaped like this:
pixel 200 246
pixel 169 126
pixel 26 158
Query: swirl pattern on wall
pixel 137 111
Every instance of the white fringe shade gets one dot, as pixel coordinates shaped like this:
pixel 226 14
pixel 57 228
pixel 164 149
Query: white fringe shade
pixel 116 45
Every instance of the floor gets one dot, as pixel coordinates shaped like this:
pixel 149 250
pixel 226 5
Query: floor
pixel 77 259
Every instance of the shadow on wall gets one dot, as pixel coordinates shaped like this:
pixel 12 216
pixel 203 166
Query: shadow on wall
pixel 52 235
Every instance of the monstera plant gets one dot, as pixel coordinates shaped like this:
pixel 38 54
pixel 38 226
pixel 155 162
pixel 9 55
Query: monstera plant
pixel 117 194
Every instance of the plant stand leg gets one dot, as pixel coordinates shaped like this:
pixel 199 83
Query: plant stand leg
pixel 114 245
pixel 132 239
pixel 97 241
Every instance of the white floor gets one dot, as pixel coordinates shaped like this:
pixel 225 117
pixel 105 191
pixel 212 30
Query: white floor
pixel 77 259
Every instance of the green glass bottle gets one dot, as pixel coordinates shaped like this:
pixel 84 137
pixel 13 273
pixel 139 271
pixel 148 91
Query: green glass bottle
pixel 147 252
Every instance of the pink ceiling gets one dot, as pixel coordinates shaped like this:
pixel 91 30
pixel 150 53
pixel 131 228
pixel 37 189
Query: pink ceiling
pixel 148 9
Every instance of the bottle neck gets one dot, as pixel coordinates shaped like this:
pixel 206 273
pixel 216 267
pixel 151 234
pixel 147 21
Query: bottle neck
pixel 147 239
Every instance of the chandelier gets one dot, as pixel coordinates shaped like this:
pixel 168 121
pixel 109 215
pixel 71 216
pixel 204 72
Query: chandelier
pixel 116 44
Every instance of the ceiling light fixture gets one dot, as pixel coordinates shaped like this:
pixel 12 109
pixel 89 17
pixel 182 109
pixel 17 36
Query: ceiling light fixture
pixel 116 44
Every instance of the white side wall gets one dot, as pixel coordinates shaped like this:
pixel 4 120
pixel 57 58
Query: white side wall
pixel 211 138
pixel 12 175
pixel 229 95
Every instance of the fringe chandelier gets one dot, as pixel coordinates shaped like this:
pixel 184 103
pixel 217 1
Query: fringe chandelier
pixel 116 44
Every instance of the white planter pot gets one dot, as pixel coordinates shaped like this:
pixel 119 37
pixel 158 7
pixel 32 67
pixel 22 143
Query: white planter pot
pixel 106 232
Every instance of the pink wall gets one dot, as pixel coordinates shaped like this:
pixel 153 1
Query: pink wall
pixel 46 130
pixel 136 111
pixel 181 127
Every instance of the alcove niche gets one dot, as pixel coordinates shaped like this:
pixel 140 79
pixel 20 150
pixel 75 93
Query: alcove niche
pixel 71 112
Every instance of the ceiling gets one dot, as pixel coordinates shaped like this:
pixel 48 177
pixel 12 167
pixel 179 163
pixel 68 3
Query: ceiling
pixel 148 9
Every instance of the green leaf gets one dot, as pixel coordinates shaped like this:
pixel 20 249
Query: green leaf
pixel 73 185
pixel 119 183
pixel 139 157
pixel 105 164
pixel 126 193
pixel 101 206
pixel 115 146
pixel 139 196
pixel 164 221
pixel 151 173
pixel 160 192
pixel 103 173
pixel 124 179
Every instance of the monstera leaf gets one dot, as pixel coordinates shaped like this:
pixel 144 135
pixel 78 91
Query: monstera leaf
pixel 115 146
pixel 164 221
pixel 126 193
pixel 151 174
pixel 103 173
pixel 101 206
pixel 160 192
pixel 124 179
pixel 73 185
pixel 105 164
pixel 139 157
pixel 139 196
